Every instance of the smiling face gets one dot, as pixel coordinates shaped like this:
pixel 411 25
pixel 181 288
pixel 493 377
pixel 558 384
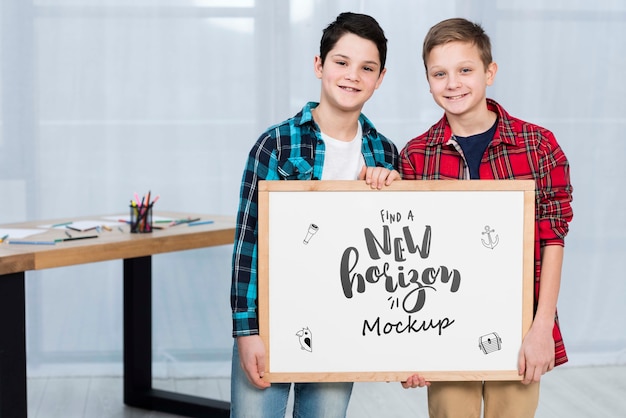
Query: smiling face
pixel 458 79
pixel 350 73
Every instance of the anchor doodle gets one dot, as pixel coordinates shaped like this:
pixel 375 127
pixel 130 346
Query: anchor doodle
pixel 492 242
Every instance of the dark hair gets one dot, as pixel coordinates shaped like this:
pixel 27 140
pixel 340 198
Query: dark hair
pixel 461 30
pixel 359 24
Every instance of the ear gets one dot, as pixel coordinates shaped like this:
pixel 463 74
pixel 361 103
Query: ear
pixel 318 66
pixel 492 69
pixel 380 77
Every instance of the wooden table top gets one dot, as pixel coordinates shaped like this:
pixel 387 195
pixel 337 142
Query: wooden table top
pixel 113 244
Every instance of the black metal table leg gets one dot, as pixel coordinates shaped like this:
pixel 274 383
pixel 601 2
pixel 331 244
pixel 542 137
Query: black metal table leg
pixel 12 346
pixel 138 391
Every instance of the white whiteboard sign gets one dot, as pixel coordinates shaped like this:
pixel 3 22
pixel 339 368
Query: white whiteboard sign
pixel 432 277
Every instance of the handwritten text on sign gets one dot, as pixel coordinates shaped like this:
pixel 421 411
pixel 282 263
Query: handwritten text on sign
pixel 415 282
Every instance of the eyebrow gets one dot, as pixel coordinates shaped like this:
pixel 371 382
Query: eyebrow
pixel 348 58
pixel 462 64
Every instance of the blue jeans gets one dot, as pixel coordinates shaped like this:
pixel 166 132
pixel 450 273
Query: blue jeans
pixel 311 400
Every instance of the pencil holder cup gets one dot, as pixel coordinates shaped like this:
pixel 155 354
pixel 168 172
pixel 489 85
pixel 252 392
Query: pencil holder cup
pixel 140 218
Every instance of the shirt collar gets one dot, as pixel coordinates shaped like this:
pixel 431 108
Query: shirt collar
pixel 306 117
pixel 441 131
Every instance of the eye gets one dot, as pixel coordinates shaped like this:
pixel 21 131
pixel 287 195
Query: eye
pixel 368 68
pixel 438 74
pixel 340 62
pixel 466 70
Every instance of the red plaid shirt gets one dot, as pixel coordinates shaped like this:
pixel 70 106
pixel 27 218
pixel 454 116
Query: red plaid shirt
pixel 519 150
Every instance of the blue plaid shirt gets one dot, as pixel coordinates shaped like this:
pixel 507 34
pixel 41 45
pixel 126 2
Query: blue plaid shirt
pixel 291 150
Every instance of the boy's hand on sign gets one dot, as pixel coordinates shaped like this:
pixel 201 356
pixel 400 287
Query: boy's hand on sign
pixel 415 381
pixel 252 359
pixel 536 356
pixel 378 177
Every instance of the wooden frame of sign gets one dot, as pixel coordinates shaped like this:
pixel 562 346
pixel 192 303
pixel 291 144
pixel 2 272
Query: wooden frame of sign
pixel 433 277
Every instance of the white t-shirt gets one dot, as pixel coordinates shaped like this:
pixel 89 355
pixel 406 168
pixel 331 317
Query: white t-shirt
pixel 343 160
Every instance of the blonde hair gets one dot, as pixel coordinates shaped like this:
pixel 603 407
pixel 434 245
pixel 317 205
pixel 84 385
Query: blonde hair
pixel 459 30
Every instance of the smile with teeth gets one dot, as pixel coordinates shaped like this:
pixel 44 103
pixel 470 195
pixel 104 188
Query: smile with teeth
pixel 349 88
pixel 460 96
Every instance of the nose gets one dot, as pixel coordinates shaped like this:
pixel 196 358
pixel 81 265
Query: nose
pixel 352 74
pixel 453 81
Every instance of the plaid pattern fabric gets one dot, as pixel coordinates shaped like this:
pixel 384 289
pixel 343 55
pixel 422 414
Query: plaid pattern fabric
pixel 291 150
pixel 519 150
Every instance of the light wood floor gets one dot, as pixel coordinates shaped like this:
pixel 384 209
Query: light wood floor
pixel 567 392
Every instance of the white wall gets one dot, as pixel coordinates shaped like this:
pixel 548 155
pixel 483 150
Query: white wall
pixel 104 98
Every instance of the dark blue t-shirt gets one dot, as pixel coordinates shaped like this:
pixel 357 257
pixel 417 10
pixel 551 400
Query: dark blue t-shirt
pixel 474 147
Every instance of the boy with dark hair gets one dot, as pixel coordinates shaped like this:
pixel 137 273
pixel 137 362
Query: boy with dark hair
pixel 324 141
pixel 478 139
